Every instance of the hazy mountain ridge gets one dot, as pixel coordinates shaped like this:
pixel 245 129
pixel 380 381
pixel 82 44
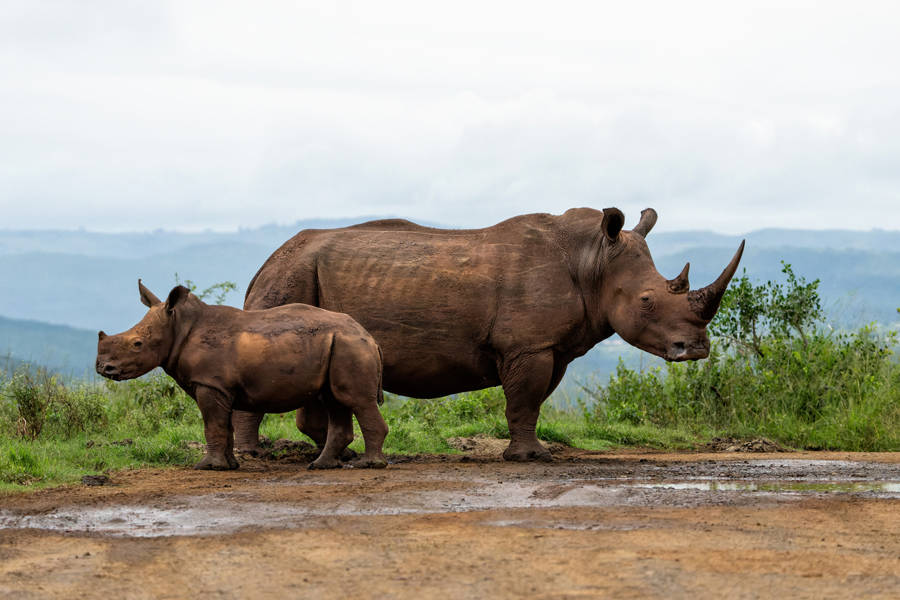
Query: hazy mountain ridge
pixel 60 348
pixel 147 243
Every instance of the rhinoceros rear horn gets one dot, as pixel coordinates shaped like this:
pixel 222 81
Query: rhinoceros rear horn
pixel 680 284
pixel 648 220
pixel 705 301
pixel 147 297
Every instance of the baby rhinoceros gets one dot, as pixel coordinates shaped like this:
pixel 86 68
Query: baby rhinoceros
pixel 271 360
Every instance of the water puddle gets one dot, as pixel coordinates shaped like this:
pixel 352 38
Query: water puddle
pixel 443 491
pixel 844 487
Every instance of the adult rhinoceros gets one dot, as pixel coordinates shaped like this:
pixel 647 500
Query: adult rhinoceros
pixel 512 304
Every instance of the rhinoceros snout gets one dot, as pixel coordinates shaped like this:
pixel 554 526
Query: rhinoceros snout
pixel 106 369
pixel 681 350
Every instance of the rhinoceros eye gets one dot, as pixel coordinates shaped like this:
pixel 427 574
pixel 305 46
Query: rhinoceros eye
pixel 138 343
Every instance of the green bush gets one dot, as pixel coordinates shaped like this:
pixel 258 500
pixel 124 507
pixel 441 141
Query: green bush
pixel 775 369
pixel 151 403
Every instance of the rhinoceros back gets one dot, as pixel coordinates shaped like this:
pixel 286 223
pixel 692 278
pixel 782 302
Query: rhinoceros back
pixel 435 300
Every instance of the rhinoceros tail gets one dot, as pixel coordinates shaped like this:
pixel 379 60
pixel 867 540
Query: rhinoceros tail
pixel 380 375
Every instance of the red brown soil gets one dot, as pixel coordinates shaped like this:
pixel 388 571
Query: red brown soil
pixel 803 546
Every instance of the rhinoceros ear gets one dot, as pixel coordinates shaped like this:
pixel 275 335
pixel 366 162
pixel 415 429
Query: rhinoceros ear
pixel 178 295
pixel 101 336
pixel 612 223
pixel 148 298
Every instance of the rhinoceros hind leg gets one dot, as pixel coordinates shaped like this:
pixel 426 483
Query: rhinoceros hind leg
pixel 312 421
pixel 246 430
pixel 354 378
pixel 340 434
pixel 527 381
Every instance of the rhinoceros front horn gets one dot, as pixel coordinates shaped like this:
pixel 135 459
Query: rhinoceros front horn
pixel 705 301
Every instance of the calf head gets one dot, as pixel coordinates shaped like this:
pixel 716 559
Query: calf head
pixel 663 317
pixel 148 344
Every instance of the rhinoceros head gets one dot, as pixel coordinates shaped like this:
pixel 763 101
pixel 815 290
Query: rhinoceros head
pixel 662 316
pixel 145 346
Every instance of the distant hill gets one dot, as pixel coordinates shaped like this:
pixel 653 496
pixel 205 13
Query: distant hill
pixel 60 348
pixel 83 281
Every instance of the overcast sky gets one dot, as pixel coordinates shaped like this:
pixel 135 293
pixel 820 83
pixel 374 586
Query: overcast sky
pixel 730 116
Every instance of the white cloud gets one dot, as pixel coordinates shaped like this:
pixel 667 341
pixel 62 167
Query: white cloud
pixel 225 114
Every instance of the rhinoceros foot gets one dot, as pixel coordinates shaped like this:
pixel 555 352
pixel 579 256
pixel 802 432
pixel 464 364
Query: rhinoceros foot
pixel 527 453
pixel 369 462
pixel 325 463
pixel 217 463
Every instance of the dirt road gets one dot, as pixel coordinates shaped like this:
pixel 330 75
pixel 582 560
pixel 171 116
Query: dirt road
pixel 799 525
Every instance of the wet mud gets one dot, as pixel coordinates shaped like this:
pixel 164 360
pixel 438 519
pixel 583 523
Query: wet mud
pixel 586 525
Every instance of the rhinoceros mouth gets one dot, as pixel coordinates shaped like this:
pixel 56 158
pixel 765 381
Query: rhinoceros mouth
pixel 110 372
pixel 679 352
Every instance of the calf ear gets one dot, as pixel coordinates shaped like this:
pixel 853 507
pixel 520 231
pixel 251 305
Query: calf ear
pixel 148 298
pixel 612 223
pixel 178 295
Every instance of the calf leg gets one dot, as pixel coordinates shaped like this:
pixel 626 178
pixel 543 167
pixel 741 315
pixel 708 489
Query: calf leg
pixel 374 429
pixel 340 434
pixel 312 420
pixel 216 410
pixel 527 381
pixel 355 378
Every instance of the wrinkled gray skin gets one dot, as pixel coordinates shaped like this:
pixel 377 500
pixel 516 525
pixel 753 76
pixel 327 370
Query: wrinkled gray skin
pixel 272 360
pixel 512 304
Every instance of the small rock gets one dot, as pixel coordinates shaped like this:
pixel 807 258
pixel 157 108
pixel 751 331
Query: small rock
pixel 95 480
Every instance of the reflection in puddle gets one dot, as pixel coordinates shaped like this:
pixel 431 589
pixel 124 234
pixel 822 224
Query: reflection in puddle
pixel 886 487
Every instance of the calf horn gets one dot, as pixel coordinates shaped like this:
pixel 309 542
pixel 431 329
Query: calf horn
pixel 648 220
pixel 705 301
pixel 680 284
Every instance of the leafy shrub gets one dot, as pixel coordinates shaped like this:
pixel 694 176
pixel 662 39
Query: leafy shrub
pixel 775 369
pixel 77 409
pixel 32 391
pixel 150 403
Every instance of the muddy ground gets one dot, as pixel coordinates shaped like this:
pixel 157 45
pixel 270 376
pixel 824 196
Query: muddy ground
pixel 624 525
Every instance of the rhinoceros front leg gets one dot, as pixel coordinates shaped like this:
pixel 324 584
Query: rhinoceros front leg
pixel 246 430
pixel 216 410
pixel 527 381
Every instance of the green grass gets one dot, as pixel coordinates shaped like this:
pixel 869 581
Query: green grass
pixel 839 392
